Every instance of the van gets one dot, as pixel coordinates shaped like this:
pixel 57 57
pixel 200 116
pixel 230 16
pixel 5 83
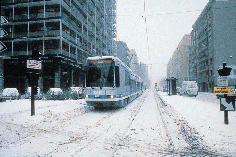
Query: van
pixel 190 88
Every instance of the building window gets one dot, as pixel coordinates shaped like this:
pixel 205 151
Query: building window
pixel 35 27
pixel 36 12
pixel 52 11
pixel 21 13
pixel 52 29
pixel 20 46
pixel 65 46
pixel 72 50
pixel 52 44
pixel 20 31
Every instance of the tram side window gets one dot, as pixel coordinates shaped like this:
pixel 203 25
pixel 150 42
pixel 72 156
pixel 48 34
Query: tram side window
pixel 127 78
pixel 117 76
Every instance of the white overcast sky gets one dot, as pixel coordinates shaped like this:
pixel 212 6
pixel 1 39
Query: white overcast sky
pixel 167 21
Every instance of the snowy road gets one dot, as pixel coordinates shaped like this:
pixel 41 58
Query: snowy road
pixel 146 127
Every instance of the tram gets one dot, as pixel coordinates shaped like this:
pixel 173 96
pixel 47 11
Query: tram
pixel 110 82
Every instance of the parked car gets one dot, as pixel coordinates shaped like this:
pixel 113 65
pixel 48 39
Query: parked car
pixel 76 93
pixel 55 94
pixel 10 94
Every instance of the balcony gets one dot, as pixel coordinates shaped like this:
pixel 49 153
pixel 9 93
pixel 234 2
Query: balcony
pixel 52 33
pixel 21 17
pixel 21 35
pixel 51 51
pixel 36 34
pixel 52 14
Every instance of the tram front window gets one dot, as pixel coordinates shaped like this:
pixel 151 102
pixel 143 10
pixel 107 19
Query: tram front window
pixel 100 73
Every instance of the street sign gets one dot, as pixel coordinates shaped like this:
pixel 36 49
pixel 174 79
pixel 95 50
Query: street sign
pixel 3 33
pixel 227 104
pixel 224 90
pixel 222 81
pixel 34 64
pixel 2 47
pixel 3 20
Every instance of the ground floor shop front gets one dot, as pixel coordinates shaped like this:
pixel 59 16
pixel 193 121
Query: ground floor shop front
pixel 57 72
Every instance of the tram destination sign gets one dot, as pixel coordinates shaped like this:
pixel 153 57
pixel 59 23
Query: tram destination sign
pixel 34 64
pixel 224 90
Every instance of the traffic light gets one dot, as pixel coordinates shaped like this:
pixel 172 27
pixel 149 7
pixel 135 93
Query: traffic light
pixel 225 71
pixel 33 79
pixel 34 90
pixel 35 53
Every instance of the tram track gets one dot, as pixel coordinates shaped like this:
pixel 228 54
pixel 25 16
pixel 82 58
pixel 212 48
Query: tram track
pixel 171 145
pixel 129 124
pixel 103 132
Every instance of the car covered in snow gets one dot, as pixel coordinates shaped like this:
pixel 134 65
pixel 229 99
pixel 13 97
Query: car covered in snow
pixel 55 94
pixel 10 94
pixel 76 93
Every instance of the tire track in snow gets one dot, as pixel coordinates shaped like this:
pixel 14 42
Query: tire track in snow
pixel 184 140
pixel 78 138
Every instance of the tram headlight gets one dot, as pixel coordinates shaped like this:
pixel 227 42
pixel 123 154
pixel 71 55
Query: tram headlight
pixel 111 96
pixel 87 96
pixel 121 95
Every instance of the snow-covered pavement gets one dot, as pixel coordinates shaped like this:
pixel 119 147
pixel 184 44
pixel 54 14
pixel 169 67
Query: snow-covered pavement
pixel 182 126
pixel 203 113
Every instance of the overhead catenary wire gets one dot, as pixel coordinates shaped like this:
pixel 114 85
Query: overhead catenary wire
pixel 145 20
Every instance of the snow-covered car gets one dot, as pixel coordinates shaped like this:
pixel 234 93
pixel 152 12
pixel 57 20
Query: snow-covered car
pixel 10 93
pixel 55 94
pixel 76 92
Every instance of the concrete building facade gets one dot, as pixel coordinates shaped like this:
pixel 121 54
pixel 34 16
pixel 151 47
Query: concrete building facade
pixel 140 69
pixel 213 42
pixel 66 32
pixel 123 52
pixel 178 65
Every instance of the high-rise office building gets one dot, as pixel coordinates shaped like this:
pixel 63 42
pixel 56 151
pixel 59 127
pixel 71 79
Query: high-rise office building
pixel 66 32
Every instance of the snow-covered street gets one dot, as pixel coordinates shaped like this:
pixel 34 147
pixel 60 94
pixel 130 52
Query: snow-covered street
pixel 181 126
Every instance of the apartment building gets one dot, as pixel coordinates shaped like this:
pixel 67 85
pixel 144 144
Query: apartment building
pixel 213 42
pixel 123 52
pixel 178 65
pixel 66 32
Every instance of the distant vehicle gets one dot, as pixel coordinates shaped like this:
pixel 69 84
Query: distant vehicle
pixel 10 93
pixel 110 83
pixel 189 88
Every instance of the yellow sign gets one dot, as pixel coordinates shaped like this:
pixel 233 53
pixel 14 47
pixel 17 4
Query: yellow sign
pixel 224 90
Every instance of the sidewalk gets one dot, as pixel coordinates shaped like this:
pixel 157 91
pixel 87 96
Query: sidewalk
pixel 203 113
